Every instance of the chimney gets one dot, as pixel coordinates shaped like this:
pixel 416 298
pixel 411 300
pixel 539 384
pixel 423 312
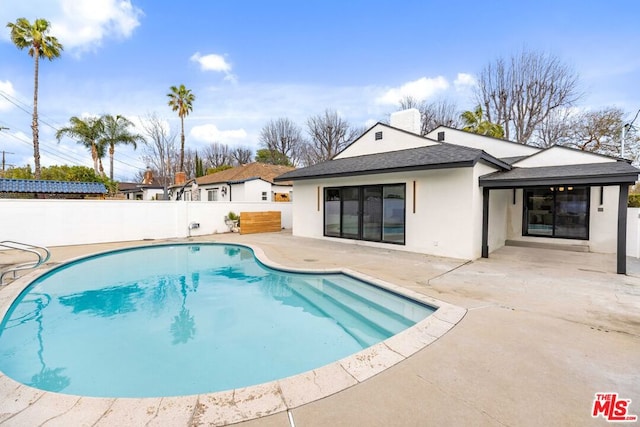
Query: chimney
pixel 408 120
pixel 148 176
pixel 180 178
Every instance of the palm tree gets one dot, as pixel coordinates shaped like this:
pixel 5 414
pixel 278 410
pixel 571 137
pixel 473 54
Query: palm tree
pixel 116 131
pixel 181 100
pixel 474 123
pixel 36 38
pixel 87 132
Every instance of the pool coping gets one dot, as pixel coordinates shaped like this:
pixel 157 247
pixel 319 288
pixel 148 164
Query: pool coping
pixel 232 406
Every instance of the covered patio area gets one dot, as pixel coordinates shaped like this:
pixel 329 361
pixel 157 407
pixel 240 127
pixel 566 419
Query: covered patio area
pixel 549 178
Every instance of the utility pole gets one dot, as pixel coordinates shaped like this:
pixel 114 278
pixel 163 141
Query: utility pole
pixel 3 163
pixel 3 152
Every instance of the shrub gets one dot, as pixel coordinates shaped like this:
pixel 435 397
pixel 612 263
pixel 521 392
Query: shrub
pixel 634 201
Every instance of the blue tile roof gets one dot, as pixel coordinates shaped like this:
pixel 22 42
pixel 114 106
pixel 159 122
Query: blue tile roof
pixel 57 187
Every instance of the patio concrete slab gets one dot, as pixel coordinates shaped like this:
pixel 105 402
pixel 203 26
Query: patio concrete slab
pixel 545 330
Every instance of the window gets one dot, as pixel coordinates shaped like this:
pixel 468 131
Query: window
pixel 561 212
pixel 212 195
pixel 378 136
pixel 264 195
pixel 373 212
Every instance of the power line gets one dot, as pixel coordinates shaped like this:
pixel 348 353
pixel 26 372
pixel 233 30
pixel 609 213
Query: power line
pixel 23 107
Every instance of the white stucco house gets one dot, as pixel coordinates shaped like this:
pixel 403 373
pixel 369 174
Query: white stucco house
pixel 462 195
pixel 252 182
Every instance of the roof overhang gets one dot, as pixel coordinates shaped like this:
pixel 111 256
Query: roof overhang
pixel 464 164
pixel 610 173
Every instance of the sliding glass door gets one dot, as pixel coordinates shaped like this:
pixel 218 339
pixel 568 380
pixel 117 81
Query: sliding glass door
pixel 373 212
pixel 561 212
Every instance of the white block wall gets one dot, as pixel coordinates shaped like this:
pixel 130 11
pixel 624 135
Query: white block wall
pixel 73 222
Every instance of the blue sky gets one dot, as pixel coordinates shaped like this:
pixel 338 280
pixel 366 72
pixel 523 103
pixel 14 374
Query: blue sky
pixel 252 61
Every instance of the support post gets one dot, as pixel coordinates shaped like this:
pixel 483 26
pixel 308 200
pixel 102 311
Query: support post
pixel 622 228
pixel 485 222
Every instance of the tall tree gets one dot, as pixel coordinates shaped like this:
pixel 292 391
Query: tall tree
pixel 555 129
pixel 329 134
pixel 600 131
pixel 521 92
pixel 439 113
pixel 181 100
pixel 116 131
pixel 241 155
pixel 189 163
pixel 159 149
pixel 86 132
pixel 272 157
pixel 216 155
pixel 284 137
pixel 36 38
pixel 199 166
pixel 474 122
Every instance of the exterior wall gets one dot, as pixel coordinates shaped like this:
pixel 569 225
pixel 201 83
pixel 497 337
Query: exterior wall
pixel 603 230
pixel 603 222
pixel 249 191
pixel 72 222
pixel 152 194
pixel 498 205
pixel 445 222
pixel 204 197
pixel 633 232
pixel 253 190
pixel 558 156
pixel 236 193
pixel 392 140
pixel 496 147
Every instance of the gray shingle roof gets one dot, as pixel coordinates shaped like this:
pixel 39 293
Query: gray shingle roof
pixel 57 187
pixel 611 173
pixel 439 156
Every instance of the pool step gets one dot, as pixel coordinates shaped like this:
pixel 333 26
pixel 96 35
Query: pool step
pixel 367 319
pixel 364 332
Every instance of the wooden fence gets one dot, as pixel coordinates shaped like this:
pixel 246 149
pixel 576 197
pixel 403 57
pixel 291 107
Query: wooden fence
pixel 260 222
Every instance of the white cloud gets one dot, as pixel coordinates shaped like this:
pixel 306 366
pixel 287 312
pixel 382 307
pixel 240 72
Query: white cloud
pixel 211 133
pixel 420 89
pixel 214 62
pixel 80 25
pixel 6 88
pixel 464 81
pixel 211 62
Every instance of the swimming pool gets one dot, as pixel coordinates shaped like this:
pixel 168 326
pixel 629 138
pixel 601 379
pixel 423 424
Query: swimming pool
pixel 183 319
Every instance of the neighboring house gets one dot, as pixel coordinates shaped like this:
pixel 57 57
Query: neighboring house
pixel 462 195
pixel 149 189
pixel 252 182
pixel 41 189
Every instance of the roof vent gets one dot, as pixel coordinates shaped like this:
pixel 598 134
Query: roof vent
pixel 441 136
pixel 378 136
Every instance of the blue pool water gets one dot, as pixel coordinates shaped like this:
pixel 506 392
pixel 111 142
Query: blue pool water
pixel 172 320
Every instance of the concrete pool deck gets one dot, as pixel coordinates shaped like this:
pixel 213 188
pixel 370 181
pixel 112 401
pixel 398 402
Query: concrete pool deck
pixel 544 331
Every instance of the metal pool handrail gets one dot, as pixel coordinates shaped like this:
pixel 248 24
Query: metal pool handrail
pixel 41 252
